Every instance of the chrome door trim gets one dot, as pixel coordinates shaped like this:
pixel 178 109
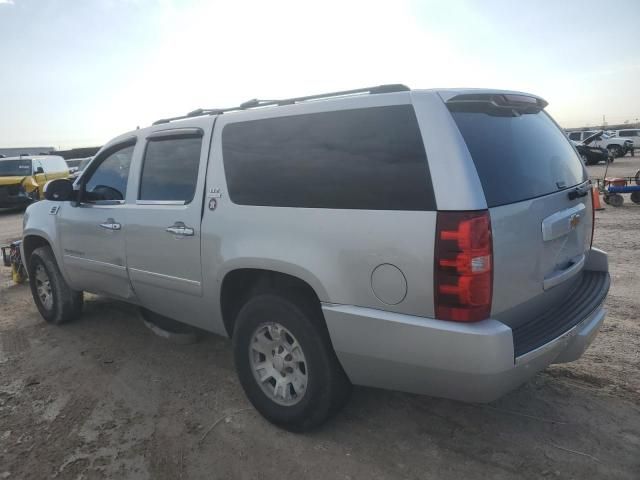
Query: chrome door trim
pixel 95 266
pixel 160 202
pixel 190 287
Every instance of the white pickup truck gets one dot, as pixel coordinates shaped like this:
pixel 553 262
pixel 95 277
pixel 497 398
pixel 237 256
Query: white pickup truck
pixel 618 147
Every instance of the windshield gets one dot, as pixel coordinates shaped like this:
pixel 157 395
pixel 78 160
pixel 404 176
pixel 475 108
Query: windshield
pixel 15 168
pixel 518 157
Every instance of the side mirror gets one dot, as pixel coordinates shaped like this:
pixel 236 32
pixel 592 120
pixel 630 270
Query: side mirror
pixel 59 190
pixel 39 170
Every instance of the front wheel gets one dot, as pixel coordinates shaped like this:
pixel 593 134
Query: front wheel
pixel 285 362
pixel 55 300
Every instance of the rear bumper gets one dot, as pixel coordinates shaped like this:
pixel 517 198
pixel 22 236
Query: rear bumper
pixel 470 362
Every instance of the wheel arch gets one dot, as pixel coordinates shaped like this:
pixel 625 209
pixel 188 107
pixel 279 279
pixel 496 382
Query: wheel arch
pixel 33 240
pixel 238 283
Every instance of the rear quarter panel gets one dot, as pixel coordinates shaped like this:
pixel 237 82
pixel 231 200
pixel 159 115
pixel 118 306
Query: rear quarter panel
pixel 333 250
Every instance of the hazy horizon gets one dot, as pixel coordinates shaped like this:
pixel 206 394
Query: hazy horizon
pixel 77 74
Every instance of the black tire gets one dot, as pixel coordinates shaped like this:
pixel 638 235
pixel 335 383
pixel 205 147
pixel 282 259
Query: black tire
pixel 615 151
pixel 65 304
pixel 327 386
pixel 635 197
pixel 616 200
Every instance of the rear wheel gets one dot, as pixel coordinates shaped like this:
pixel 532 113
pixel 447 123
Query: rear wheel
pixel 55 300
pixel 635 197
pixel 615 151
pixel 285 362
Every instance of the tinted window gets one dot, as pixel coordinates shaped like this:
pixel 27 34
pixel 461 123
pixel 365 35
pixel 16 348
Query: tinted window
pixel 369 158
pixel 575 136
pixel 109 180
pixel 629 133
pixel 170 169
pixel 15 168
pixel 519 157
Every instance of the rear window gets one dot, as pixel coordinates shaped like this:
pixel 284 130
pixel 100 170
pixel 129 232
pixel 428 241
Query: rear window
pixel 519 157
pixel 370 159
pixel 15 168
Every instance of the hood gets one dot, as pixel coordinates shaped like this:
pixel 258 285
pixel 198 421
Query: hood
pixel 593 137
pixel 11 180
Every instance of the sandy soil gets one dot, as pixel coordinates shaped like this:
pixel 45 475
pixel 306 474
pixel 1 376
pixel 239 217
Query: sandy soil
pixel 105 398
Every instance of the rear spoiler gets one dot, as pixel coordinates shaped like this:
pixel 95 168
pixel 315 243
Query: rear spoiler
pixel 497 103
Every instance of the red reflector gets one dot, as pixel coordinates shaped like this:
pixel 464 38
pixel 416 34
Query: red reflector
pixel 463 270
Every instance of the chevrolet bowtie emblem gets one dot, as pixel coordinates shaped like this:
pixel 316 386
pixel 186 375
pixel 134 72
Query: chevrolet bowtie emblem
pixel 574 221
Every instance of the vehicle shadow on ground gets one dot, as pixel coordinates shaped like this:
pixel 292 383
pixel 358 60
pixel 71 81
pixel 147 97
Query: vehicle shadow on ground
pixel 556 424
pixel 7 211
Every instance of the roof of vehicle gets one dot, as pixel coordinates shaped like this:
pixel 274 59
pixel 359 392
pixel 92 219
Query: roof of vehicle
pixel 31 157
pixel 446 94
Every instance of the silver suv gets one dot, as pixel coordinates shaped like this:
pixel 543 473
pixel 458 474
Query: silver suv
pixel 431 241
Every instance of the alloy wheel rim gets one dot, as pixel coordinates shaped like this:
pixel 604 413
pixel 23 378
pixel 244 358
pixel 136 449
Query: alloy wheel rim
pixel 43 287
pixel 278 364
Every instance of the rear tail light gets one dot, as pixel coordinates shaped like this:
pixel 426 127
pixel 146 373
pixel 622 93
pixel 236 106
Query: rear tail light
pixel 463 270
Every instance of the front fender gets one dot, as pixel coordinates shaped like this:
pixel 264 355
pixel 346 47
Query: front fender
pixel 29 184
pixel 39 222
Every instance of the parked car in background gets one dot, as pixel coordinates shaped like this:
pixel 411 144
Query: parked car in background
pixel 617 147
pixel 324 236
pixel 22 179
pixel 630 134
pixel 77 165
pixel 590 154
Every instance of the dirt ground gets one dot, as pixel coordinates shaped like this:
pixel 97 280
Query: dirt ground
pixel 105 398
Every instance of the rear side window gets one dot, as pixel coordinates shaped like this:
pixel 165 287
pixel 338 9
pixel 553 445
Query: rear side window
pixel 629 133
pixel 518 157
pixel 170 169
pixel 371 159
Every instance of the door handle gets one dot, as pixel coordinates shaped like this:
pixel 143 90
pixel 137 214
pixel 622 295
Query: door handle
pixel 179 228
pixel 111 224
pixel 556 278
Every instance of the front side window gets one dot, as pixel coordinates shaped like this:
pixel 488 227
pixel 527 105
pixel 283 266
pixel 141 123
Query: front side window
pixel 108 181
pixel 369 159
pixel 170 169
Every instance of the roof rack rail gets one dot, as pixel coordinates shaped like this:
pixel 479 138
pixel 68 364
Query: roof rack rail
pixel 257 103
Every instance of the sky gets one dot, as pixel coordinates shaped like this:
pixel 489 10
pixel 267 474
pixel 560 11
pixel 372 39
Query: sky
pixel 77 73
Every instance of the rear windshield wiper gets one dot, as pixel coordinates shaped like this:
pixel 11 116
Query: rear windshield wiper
pixel 579 191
